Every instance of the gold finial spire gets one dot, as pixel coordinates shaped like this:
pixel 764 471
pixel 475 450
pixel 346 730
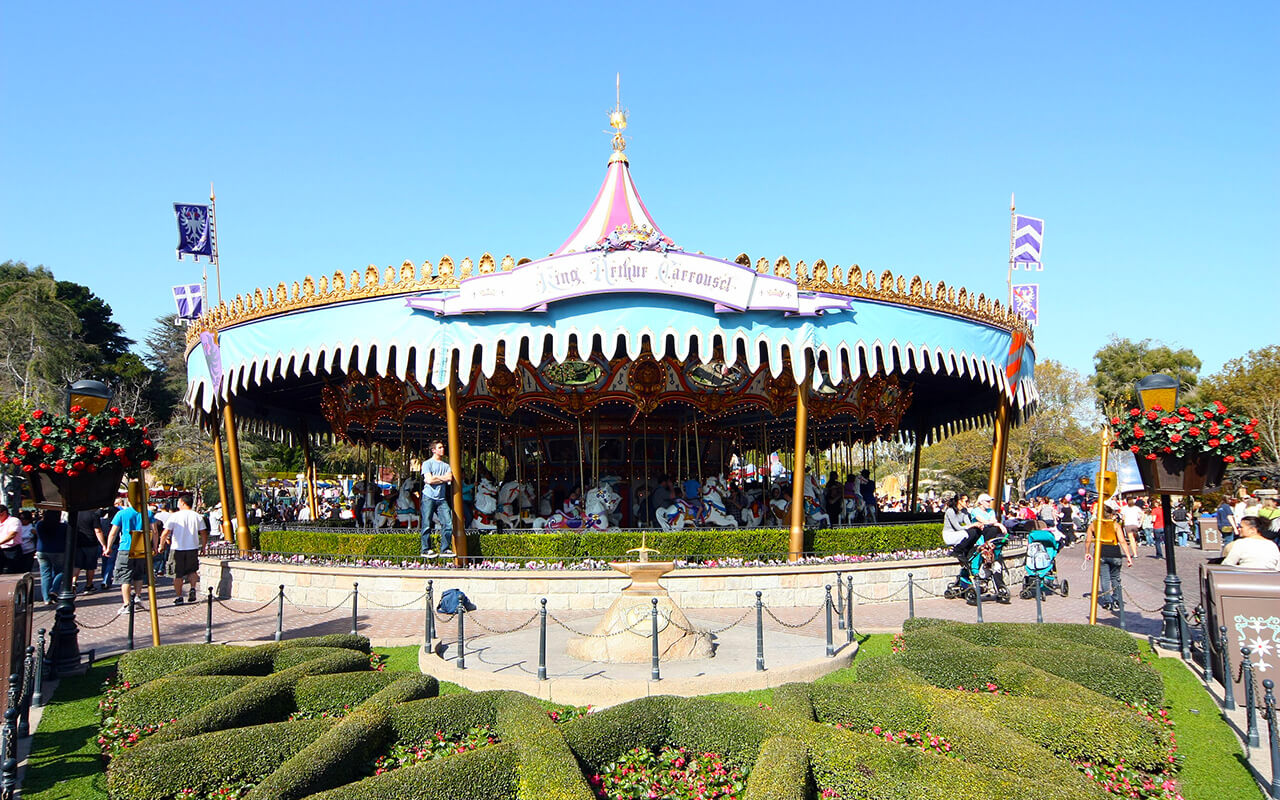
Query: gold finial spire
pixel 618 121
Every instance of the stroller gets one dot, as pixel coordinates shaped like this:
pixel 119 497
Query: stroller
pixel 1041 566
pixel 984 559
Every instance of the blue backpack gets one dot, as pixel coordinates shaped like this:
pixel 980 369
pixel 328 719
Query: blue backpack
pixel 451 600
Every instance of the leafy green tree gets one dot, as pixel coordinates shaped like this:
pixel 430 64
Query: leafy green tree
pixel 1250 385
pixel 38 354
pixel 166 350
pixel 1119 365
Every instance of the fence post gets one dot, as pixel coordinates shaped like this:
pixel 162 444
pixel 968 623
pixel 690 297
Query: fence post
pixel 208 618
pixel 37 696
pixel 430 632
pixel 1184 632
pixel 1228 685
pixel 133 605
pixel 976 585
pixel 654 673
pixel 462 636
pixel 1120 609
pixel 1039 600
pixel 355 607
pixel 839 601
pixel 848 612
pixel 9 768
pixel 1272 734
pixel 1250 708
pixel 280 614
pixel 542 641
pixel 1205 646
pixel 831 647
pixel 24 703
pixel 760 632
pixel 911 596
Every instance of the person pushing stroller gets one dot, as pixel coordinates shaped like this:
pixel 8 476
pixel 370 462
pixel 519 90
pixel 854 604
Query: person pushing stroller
pixel 977 539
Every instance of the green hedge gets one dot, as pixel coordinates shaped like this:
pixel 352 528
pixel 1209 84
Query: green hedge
pixel 1053 635
pixel 262 659
pixel 489 773
pixel 452 715
pixel 785 775
pixel 164 699
pixel 601 738
pixel 139 666
pixel 160 770
pixel 317 693
pixel 737 543
pixel 548 769
pixel 733 732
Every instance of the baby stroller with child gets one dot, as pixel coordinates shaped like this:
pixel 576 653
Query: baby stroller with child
pixel 1041 566
pixel 980 555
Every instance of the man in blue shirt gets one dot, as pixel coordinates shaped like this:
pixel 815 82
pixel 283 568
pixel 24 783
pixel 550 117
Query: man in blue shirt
pixel 436 477
pixel 131 563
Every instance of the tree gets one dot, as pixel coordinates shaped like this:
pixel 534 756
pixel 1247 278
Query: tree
pixel 1250 386
pixel 1122 362
pixel 166 355
pixel 102 335
pixel 1063 428
pixel 37 350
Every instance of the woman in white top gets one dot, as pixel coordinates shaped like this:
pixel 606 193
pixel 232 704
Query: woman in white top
pixel 1252 550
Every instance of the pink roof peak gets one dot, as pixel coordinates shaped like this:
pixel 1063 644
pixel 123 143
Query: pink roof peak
pixel 617 205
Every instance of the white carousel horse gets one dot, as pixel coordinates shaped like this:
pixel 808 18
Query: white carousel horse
pixel 714 510
pixel 571 517
pixel 602 501
pixel 814 510
pixel 484 514
pixel 384 513
pixel 853 508
pixel 675 516
pixel 779 511
pixel 544 504
pixel 753 512
pixel 514 499
pixel 406 504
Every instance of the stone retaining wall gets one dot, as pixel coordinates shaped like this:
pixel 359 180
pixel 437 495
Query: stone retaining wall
pixel 520 590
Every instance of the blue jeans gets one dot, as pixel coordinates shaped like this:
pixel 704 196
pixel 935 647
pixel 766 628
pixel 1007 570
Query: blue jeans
pixel 108 568
pixel 433 510
pixel 1183 530
pixel 51 567
pixel 1158 535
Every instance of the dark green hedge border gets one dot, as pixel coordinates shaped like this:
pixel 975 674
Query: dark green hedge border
pixel 576 546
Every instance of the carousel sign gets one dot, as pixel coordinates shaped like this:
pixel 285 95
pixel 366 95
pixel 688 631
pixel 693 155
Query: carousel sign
pixel 531 286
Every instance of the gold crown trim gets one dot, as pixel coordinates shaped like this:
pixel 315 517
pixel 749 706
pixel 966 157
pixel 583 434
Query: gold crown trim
pixel 850 282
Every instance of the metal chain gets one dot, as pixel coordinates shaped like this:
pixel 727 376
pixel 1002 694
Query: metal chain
pixel 366 598
pixel 711 631
pixel 114 617
pixel 329 610
pixel 769 611
pixel 519 627
pixel 920 587
pixel 900 590
pixel 250 611
pixel 1129 598
pixel 629 629
pixel 179 610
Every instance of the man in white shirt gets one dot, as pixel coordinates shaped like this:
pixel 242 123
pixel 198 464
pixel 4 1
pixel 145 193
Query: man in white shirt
pixel 186 533
pixel 1251 550
pixel 10 540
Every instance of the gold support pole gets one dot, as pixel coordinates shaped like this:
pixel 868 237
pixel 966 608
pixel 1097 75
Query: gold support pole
pixel 139 501
pixel 1097 528
pixel 221 470
pixel 451 417
pixel 309 470
pixel 796 546
pixel 999 448
pixel 915 476
pixel 237 484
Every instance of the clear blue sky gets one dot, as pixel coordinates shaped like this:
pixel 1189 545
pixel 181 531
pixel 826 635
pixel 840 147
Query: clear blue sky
pixel 889 135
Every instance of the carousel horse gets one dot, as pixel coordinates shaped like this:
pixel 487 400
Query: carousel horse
pixel 602 501
pixel 753 512
pixel 814 511
pixel 570 517
pixel 406 504
pixel 714 511
pixel 514 499
pixel 853 508
pixel 675 516
pixel 484 515
pixel 544 504
pixel 384 512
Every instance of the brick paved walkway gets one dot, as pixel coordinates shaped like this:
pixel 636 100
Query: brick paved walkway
pixel 106 632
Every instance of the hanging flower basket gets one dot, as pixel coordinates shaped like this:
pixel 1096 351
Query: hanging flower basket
pixel 85 491
pixel 1173 475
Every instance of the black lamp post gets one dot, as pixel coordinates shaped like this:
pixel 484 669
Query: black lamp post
pixel 1162 390
pixel 64 644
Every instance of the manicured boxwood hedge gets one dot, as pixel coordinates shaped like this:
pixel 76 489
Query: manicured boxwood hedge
pixel 576 546
pixel 164 699
pixel 489 773
pixel 139 666
pixel 786 776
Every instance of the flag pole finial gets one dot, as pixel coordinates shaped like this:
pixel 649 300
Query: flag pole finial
pixel 618 121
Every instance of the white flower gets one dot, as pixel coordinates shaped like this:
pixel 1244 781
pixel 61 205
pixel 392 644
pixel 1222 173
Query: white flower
pixel 1261 646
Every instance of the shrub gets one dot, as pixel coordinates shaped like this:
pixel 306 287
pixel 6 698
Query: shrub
pixel 453 715
pixel 261 660
pixel 164 699
pixel 734 732
pixel 728 542
pixel 781 771
pixel 600 738
pixel 335 755
pixel 139 666
pixel 318 693
pixel 793 699
pixel 548 769
pixel 1052 636
pixel 204 763
pixel 489 773
pixel 884 669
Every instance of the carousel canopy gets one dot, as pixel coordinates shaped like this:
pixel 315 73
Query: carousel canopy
pixel 618 317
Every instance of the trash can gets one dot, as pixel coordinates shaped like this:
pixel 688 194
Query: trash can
pixel 16 609
pixel 1210 538
pixel 1247 601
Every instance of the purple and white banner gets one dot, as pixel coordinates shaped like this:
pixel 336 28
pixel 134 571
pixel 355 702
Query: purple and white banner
pixel 1026 301
pixel 189 298
pixel 196 233
pixel 1028 237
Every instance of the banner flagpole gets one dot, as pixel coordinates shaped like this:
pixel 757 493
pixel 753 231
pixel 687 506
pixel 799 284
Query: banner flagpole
pixel 213 230
pixel 1013 226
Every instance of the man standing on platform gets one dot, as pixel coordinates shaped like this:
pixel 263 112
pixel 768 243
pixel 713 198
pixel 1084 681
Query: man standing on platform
pixel 437 475
pixel 186 534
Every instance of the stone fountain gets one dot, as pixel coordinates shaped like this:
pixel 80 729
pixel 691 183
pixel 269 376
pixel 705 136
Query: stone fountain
pixel 625 634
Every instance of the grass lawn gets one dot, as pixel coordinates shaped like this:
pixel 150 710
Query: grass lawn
pixel 1215 768
pixel 65 764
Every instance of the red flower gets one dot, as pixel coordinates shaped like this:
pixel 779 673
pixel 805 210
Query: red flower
pixel 1151 456
pixel 72 473
pixel 128 420
pixel 113 421
pixel 48 448
pixel 146 442
pixel 1158 408
pixel 1138 432
pixel 1214 429
pixel 1151 415
pixel 119 451
pixel 56 469
pixel 146 464
pixel 1182 409
pixel 1253 421
pixel 1175 437
pixel 1193 431
pixel 1208 415
pixel 4 459
pixel 1228 459
pixel 76 409
pixel 37 414
pixel 1133 412
pixel 22 451
pixel 61 462
pixel 106 451
pixel 80 449
pixel 1133 448
pixel 78 465
pixel 37 442
pixel 1115 420
pixel 1166 450
pixel 27 468
pixel 24 436
pixel 1229 438
pixel 1213 442
pixel 1245 454
pixel 46 430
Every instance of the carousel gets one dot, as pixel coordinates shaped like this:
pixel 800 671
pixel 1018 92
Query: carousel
pixel 575 383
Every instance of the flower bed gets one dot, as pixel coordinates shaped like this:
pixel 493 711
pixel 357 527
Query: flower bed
pixel 671 772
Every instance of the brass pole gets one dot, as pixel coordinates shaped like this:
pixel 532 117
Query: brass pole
pixel 451 418
pixel 141 507
pixel 221 470
pixel 237 484
pixel 915 476
pixel 796 546
pixel 999 446
pixel 309 470
pixel 1097 528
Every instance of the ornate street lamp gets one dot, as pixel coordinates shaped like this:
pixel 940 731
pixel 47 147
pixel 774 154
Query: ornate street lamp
pixel 64 642
pixel 1162 390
